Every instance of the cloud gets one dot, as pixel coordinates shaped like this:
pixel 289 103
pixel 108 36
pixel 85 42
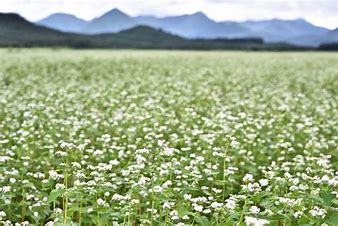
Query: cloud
pixel 320 12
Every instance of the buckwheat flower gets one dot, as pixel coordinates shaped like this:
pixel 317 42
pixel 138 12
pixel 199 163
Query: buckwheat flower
pixel 167 205
pixel 185 217
pixel 254 209
pixel 230 203
pixel 114 162
pixel 101 202
pixel 217 191
pixel 167 184
pixel 2 214
pixel 60 186
pixel 90 210
pixel 5 189
pixel 174 215
pixel 187 197
pixel 61 153
pixel 248 177
pixel 263 182
pixel 12 180
pixel 118 197
pixel 318 212
pixel 4 158
pixel 50 223
pixel 58 210
pixel 143 180
pixel 206 211
pixel 54 175
pixel 198 208
pixel 168 151
pixel 216 205
pixel 252 221
pixel 135 201
pixel 298 214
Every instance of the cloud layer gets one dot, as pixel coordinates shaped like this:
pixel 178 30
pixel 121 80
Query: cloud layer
pixel 319 12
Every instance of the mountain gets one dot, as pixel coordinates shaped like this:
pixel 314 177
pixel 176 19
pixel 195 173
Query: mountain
pixel 331 36
pixel 198 25
pixel 112 21
pixel 63 22
pixel 298 32
pixel 15 31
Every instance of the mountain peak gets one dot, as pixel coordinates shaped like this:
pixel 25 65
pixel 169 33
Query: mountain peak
pixel 115 11
pixel 199 14
pixel 63 15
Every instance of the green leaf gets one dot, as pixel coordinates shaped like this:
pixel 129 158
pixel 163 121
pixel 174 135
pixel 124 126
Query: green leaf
pixel 333 218
pixel 202 220
pixel 54 194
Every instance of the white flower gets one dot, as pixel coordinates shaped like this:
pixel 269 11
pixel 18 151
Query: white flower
pixel 101 202
pixel 167 205
pixel 185 217
pixel 90 210
pixel 187 197
pixel 216 205
pixel 252 221
pixel 2 214
pixel 248 177
pixel 60 186
pixel 254 209
pixel 263 182
pixel 168 151
pixel 318 212
pixel 5 189
pixel 12 180
pixel 198 208
pixel 50 223
pixel 230 203
pixel 174 215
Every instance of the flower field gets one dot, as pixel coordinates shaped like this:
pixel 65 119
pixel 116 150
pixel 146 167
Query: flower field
pixel 95 137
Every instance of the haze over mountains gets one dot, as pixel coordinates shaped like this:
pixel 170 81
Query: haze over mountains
pixel 198 25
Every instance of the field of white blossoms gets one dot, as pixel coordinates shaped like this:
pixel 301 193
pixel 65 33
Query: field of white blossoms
pixel 168 138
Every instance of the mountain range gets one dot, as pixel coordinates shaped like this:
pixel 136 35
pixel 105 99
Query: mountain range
pixel 198 26
pixel 15 31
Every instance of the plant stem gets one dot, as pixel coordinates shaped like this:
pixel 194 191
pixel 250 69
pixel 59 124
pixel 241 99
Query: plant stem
pixel 242 214
pixel 65 199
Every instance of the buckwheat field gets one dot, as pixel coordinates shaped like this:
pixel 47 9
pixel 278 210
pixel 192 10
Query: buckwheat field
pixel 168 138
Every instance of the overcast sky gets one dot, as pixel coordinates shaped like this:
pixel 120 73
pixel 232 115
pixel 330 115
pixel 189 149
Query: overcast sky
pixel 319 12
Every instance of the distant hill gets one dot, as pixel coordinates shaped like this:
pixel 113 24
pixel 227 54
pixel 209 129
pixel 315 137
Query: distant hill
pixel 331 41
pixel 329 47
pixel 331 36
pixel 17 32
pixel 299 31
pixel 112 21
pixel 198 25
pixel 63 22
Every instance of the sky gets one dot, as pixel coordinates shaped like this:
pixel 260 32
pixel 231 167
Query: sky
pixel 319 12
